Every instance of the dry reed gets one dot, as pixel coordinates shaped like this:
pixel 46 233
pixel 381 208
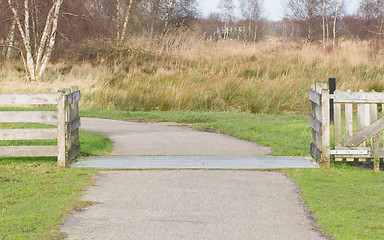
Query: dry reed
pixel 185 72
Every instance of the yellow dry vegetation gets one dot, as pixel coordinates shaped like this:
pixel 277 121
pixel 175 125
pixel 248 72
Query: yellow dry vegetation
pixel 185 72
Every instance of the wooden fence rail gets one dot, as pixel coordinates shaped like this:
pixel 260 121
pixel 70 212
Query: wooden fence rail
pixel 352 142
pixel 66 133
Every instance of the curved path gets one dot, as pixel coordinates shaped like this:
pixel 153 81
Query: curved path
pixel 165 139
pixel 185 204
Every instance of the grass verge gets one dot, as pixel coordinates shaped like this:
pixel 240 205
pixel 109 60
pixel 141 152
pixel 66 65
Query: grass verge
pixel 347 202
pixel 35 195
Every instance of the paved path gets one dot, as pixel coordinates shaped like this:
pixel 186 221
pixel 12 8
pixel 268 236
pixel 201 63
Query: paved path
pixel 187 204
pixel 143 145
pixel 154 139
pixel 191 205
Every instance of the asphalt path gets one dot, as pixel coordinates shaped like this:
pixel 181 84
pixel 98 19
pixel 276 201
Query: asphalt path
pixel 187 204
pixel 192 205
pixel 166 139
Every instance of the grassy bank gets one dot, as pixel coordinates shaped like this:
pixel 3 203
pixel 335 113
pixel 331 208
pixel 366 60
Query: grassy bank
pixel 346 201
pixel 35 195
pixel 197 75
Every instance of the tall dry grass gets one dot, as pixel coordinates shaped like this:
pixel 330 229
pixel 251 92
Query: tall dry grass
pixel 185 72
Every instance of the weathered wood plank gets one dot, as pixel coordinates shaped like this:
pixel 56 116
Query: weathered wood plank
pixel 337 122
pixel 363 119
pixel 314 97
pixel 348 120
pixel 28 134
pixel 319 86
pixel 73 97
pixel 61 131
pixel 28 116
pixel 364 134
pixel 362 157
pixel 325 135
pixel 74 115
pixel 349 152
pixel 315 125
pixel 372 116
pixel 375 139
pixel 73 125
pixel 316 111
pixel 73 152
pixel 358 97
pixel 28 151
pixel 315 152
pixel 28 99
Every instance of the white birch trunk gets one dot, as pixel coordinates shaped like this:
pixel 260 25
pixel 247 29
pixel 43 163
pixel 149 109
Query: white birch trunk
pixel 9 42
pixel 36 62
pixel 44 37
pixel 123 33
pixel 169 13
pixel 324 24
pixel 52 39
pixel 334 26
pixel 117 19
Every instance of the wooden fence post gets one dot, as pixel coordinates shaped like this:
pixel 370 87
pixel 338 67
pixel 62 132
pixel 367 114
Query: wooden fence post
pixel 61 129
pixel 375 139
pixel 325 122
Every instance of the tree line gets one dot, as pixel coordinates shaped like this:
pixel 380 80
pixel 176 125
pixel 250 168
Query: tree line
pixel 325 21
pixel 38 30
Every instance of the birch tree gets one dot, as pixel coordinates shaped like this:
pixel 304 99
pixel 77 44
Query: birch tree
pixel 372 12
pixel 9 42
pixel 155 9
pixel 38 48
pixel 251 10
pixel 170 7
pixel 227 9
pixel 122 11
pixel 334 24
pixel 306 11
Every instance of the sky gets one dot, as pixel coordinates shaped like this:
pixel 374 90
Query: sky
pixel 273 9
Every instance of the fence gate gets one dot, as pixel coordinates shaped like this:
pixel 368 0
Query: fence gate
pixel 66 133
pixel 356 130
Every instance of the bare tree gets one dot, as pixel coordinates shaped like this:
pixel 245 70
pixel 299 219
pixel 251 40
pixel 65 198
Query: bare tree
pixel 170 7
pixel 9 42
pixel 334 24
pixel 38 49
pixel 251 10
pixel 305 11
pixel 372 11
pixel 227 12
pixel 123 10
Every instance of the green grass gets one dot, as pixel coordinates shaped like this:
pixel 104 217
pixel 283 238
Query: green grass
pixel 35 195
pixel 347 201
pixel 288 135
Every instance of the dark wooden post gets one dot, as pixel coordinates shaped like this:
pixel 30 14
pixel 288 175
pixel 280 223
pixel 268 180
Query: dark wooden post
pixel 332 88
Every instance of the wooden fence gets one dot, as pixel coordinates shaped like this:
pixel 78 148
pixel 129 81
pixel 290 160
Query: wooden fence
pixel 66 133
pixel 352 142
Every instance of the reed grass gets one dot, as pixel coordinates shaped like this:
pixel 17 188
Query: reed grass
pixel 183 72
